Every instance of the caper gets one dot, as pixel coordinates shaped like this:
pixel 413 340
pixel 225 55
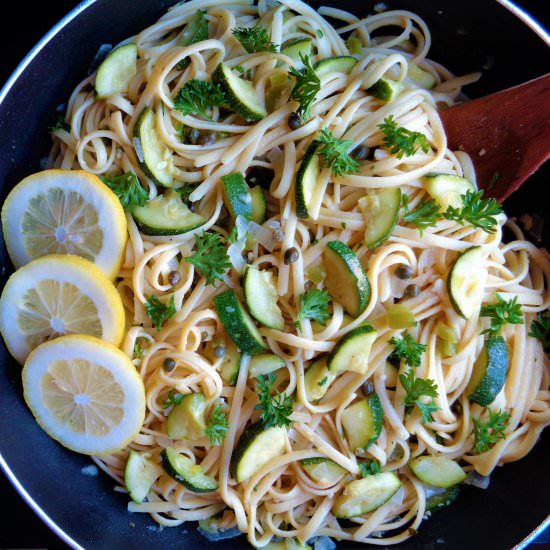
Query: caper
pixel 294 121
pixel 174 277
pixel 361 152
pixel 219 352
pixel 403 271
pixel 412 291
pixel 168 364
pixel 206 138
pixel 291 255
pixel 368 388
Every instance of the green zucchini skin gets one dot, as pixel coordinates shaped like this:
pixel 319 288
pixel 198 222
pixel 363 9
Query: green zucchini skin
pixel 442 500
pixel 363 422
pixel 338 64
pixel 438 471
pixel 306 180
pixel 185 472
pixel 356 342
pixel 238 324
pixel 490 370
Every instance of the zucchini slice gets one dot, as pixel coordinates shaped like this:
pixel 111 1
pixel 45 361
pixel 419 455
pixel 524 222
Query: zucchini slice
pixel 236 195
pixel 153 155
pixel 306 185
pixel 438 471
pixel 381 212
pixel 287 544
pixel 231 361
pixel 323 470
pixel 466 282
pixel 256 447
pixel 195 31
pixel 489 372
pixel 346 279
pixel 186 472
pixel 386 89
pixel 318 379
pixel 352 351
pixel 420 77
pixel 238 324
pixel 363 421
pixel 186 420
pixel 240 94
pixel 140 473
pixel 260 293
pixel 264 363
pixel 339 64
pixel 362 496
pixel 116 71
pixel 446 189
pixel 258 206
pixel 166 214
pixel 296 49
pixel 441 500
pixel 400 316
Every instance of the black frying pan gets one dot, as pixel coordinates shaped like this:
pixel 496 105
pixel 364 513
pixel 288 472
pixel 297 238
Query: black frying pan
pixel 82 509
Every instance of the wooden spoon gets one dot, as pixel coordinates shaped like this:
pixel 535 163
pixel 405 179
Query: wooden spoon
pixel 507 134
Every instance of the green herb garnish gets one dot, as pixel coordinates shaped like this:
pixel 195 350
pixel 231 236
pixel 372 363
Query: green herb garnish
pixel 306 87
pixel 334 154
pixel 158 311
pixel 174 398
pixel 424 215
pixel 416 388
pixel 217 425
pixel 210 257
pixel 254 39
pixel 502 313
pixel 476 211
pixel 313 305
pixel 407 349
pixel 540 329
pixel 276 409
pixel 488 432
pixel 197 97
pixel 369 468
pixel 127 188
pixel 400 141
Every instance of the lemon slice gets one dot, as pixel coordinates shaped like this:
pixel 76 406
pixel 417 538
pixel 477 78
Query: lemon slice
pixel 65 212
pixel 56 295
pixel 84 393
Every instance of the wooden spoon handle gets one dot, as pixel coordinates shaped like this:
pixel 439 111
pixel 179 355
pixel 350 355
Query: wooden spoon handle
pixel 507 134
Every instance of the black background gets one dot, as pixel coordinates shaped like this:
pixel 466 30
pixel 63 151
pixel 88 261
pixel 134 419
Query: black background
pixel 24 24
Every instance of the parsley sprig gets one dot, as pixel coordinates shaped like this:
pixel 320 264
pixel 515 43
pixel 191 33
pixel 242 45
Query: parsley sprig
pixel 407 349
pixel 334 154
pixel 424 215
pixel 174 398
pixel 217 425
pixel 306 87
pixel 254 39
pixel 275 408
pixel 476 211
pixel 501 313
pixel 540 329
pixel 159 312
pixel 313 305
pixel 210 257
pixel 197 97
pixel 415 388
pixel 127 188
pixel 488 432
pixel 400 141
pixel 369 467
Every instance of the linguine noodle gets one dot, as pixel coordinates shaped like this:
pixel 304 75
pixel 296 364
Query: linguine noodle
pixel 280 499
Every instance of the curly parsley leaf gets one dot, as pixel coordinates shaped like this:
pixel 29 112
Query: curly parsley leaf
pixel 501 313
pixel 313 305
pixel 488 432
pixel 415 388
pixel 217 425
pixel 197 97
pixel 174 398
pixel 540 329
pixel 407 349
pixel 210 257
pixel 127 188
pixel 476 211
pixel 400 141
pixel 277 408
pixel 254 39
pixel 369 467
pixel 424 215
pixel 334 154
pixel 306 87
pixel 159 312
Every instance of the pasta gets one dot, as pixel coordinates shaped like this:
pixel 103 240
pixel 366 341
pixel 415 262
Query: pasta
pixel 280 499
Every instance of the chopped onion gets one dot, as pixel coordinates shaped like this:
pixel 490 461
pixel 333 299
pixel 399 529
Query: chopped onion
pixel 263 235
pixel 477 480
pixel 235 253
